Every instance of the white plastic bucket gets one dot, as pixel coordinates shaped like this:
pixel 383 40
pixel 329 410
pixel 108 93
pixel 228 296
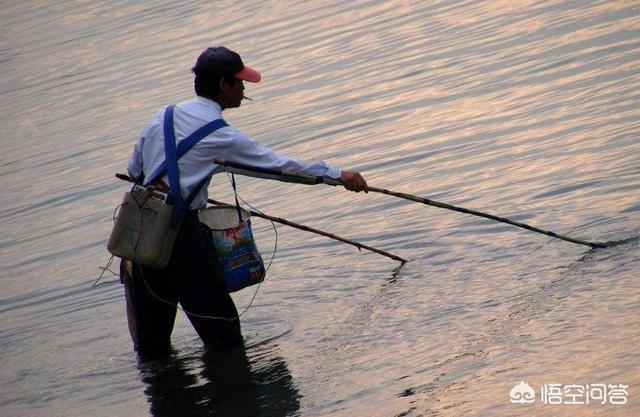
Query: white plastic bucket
pixel 235 247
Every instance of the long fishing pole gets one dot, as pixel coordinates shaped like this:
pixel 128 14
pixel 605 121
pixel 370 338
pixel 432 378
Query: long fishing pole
pixel 316 231
pixel 309 179
pixel 299 226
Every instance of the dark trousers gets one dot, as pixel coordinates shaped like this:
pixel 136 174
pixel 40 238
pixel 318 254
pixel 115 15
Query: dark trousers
pixel 193 278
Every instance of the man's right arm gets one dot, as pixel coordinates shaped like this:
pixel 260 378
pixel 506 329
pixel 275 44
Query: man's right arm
pixel 134 167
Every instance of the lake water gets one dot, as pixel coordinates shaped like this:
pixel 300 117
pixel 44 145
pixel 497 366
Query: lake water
pixel 525 109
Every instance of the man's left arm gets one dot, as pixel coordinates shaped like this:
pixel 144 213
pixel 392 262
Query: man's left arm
pixel 245 150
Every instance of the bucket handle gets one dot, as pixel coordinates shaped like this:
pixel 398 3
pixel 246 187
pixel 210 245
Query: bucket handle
pixel 235 194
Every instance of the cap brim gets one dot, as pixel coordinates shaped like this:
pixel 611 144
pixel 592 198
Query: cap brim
pixel 248 74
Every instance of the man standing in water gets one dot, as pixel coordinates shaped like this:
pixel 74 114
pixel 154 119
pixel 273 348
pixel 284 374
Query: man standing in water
pixel 193 277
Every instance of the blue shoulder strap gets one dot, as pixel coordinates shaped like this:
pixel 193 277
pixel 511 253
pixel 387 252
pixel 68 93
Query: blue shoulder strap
pixel 171 162
pixel 198 135
pixel 172 154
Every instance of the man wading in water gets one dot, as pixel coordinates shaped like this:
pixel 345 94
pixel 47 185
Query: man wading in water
pixel 193 277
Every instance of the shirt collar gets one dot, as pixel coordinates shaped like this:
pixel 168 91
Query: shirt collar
pixel 215 107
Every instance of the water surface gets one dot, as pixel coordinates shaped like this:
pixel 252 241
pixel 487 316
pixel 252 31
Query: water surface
pixel 527 109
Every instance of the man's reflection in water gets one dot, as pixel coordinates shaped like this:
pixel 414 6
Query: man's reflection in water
pixel 215 383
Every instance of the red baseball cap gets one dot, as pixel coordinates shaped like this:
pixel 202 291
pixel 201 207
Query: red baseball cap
pixel 218 60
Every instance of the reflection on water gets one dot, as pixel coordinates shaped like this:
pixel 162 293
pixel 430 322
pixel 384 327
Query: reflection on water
pixel 214 383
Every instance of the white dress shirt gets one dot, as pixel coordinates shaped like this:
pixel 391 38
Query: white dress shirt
pixel 225 143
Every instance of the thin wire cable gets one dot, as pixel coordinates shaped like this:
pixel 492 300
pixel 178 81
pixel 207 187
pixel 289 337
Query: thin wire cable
pixel 107 267
pixel 156 296
pixel 204 316
pixel 104 269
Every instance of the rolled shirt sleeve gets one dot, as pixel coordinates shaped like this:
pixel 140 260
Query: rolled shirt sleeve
pixel 150 155
pixel 134 167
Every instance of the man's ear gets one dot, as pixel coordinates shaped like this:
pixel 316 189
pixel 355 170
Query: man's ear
pixel 224 86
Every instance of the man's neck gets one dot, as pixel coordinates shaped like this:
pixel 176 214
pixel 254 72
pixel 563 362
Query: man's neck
pixel 214 100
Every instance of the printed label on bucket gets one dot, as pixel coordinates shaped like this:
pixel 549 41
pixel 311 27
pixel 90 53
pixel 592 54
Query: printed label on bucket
pixel 238 256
